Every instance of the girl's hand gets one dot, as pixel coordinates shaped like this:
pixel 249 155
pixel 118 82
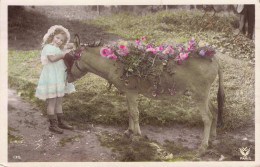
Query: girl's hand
pixel 54 58
pixel 68 46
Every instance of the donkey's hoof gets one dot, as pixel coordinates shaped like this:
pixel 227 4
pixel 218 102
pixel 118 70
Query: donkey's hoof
pixel 136 138
pixel 128 133
pixel 201 151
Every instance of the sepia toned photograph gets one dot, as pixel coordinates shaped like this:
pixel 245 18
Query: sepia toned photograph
pixel 131 83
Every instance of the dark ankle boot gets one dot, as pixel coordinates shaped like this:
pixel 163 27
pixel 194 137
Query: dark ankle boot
pixel 62 123
pixel 54 124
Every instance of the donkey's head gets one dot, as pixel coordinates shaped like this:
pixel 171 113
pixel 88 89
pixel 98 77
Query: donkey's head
pixel 73 57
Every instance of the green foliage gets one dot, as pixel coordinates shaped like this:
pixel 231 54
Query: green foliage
pixel 181 26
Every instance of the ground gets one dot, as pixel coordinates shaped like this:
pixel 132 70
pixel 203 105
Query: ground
pixel 31 141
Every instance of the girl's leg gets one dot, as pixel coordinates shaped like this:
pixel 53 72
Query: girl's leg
pixel 58 105
pixel 61 122
pixel 51 106
pixel 52 117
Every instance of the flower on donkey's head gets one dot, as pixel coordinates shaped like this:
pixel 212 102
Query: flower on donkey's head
pixel 106 52
pixel 183 56
pixel 151 50
pixel 77 55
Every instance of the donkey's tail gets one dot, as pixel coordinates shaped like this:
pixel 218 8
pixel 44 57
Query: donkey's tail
pixel 221 95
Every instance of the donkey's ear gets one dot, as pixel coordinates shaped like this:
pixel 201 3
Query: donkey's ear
pixel 76 42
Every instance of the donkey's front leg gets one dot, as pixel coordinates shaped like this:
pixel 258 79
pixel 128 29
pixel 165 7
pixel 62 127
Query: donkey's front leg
pixel 133 111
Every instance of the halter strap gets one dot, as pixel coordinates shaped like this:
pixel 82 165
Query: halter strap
pixel 77 65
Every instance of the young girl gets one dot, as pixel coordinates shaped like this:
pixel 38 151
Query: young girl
pixel 52 84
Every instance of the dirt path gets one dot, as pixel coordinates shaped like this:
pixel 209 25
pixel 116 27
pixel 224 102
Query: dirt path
pixel 34 142
pixel 39 144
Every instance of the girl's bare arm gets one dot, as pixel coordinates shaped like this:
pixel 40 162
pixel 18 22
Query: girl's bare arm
pixel 54 58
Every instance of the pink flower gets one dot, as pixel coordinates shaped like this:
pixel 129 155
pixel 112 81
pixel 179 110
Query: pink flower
pixel 148 46
pixel 169 49
pixel 159 48
pixel 112 56
pixel 190 47
pixel 77 55
pixel 106 52
pixel 123 50
pixel 191 42
pixel 151 50
pixel 144 37
pixel 180 49
pixel 165 51
pixel 183 56
pixel 137 41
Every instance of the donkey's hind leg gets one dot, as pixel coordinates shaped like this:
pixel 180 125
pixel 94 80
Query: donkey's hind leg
pixel 213 130
pixel 203 105
pixel 130 129
pixel 133 113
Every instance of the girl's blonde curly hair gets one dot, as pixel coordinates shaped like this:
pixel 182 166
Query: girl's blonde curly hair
pixel 54 30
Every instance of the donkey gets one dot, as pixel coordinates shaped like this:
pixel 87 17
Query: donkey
pixel 195 74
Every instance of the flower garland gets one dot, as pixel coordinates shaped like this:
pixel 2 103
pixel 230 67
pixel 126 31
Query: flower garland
pixel 143 59
pixel 115 50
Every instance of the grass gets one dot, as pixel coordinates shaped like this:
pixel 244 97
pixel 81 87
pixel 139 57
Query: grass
pixel 181 26
pixel 94 103
pixel 63 141
pixel 135 148
pixel 13 138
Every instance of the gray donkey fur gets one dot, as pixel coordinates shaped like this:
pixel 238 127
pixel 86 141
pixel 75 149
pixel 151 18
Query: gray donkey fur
pixel 194 74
